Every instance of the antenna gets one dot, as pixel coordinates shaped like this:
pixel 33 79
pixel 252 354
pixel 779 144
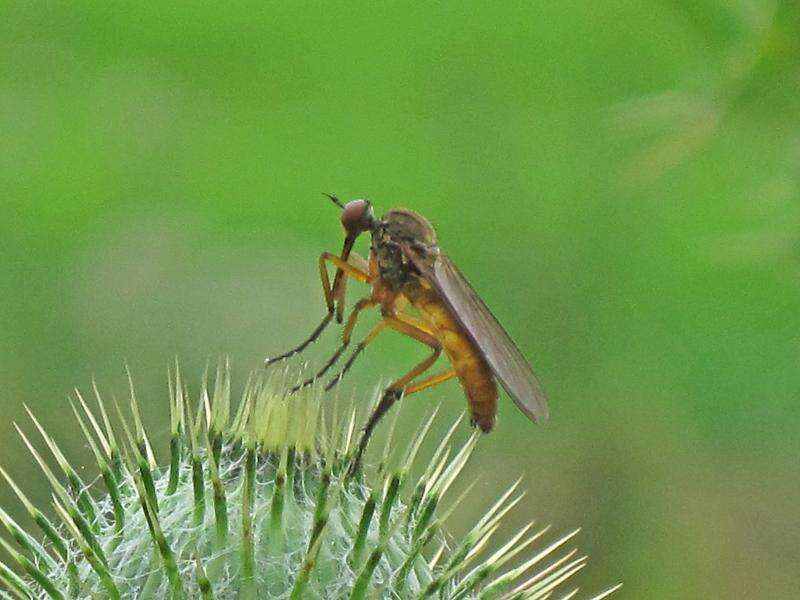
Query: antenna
pixel 335 200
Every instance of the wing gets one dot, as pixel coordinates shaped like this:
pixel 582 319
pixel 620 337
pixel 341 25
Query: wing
pixel 498 349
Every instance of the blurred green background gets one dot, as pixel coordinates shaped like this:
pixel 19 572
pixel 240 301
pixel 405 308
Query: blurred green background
pixel 618 180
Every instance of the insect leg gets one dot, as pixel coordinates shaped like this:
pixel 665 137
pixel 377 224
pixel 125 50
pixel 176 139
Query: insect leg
pixel 343 267
pixel 346 335
pixel 359 348
pixel 396 390
pixel 429 382
pixel 398 323
pixel 359 262
pixel 346 268
pixel 340 282
pixel 414 322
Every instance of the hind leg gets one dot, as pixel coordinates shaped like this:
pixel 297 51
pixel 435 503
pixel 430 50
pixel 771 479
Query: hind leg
pixel 399 387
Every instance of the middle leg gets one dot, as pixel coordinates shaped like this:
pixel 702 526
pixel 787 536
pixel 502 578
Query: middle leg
pixel 347 334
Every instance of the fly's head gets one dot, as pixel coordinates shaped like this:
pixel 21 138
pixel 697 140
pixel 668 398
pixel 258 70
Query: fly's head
pixel 357 217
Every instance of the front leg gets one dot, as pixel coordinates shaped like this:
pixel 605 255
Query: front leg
pixel 347 270
pixel 340 282
pixel 346 335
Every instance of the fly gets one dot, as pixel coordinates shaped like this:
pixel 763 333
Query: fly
pixel 406 269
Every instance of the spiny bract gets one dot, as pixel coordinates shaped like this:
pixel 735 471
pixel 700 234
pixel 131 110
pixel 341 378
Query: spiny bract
pixel 262 505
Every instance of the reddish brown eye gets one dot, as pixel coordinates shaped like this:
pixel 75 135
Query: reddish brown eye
pixel 355 216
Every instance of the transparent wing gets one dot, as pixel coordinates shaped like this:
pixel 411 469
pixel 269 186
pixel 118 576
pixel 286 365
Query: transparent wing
pixel 497 347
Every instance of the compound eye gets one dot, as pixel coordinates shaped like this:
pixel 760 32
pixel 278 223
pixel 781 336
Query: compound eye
pixel 355 216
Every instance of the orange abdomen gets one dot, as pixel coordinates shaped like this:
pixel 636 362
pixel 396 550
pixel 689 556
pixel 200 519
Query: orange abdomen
pixel 475 375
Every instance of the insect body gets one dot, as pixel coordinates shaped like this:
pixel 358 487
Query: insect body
pixel 406 267
pixel 469 365
pixel 406 250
